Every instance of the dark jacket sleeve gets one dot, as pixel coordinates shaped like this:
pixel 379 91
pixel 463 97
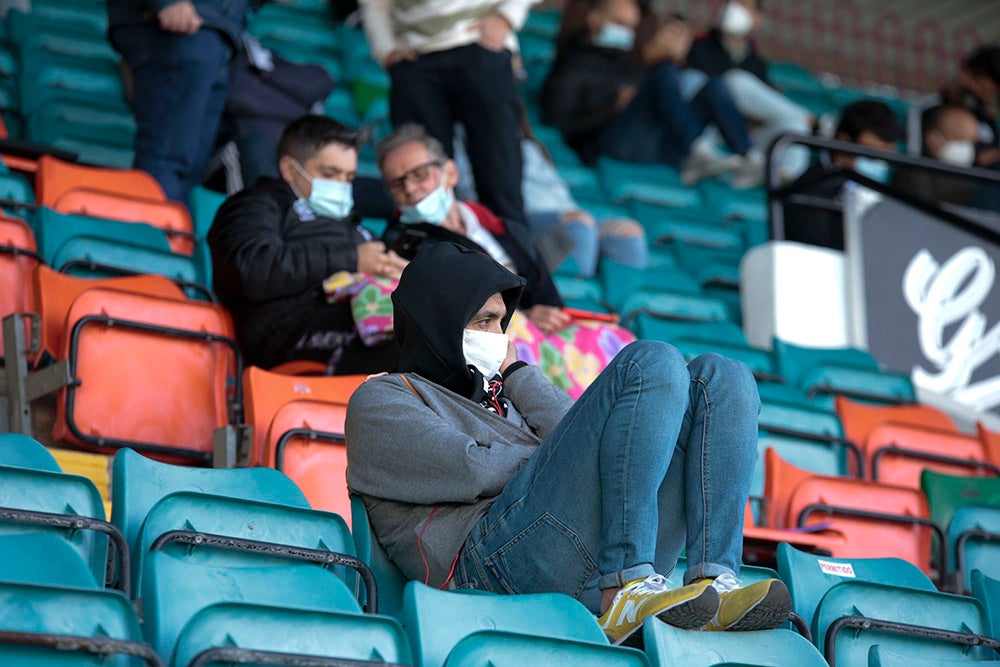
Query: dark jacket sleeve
pixel 252 255
pixel 578 96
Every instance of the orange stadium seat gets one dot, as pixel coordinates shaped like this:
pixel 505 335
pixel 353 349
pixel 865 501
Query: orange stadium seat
pixel 55 177
pixel 18 258
pixel 860 418
pixel 53 293
pixel 898 453
pixel 991 443
pixel 172 217
pixel 760 544
pixel 148 372
pixel 876 520
pixel 298 428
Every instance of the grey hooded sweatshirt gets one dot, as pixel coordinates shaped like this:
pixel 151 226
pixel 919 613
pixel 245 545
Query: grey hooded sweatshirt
pixel 429 461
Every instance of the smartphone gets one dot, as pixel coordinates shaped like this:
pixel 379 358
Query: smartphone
pixel 406 244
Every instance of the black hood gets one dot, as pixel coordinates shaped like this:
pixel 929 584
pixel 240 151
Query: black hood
pixel 438 293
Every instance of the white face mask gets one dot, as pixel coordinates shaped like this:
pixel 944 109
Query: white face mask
pixel 615 36
pixel 329 198
pixel 484 350
pixel 958 153
pixel 736 20
pixel 433 208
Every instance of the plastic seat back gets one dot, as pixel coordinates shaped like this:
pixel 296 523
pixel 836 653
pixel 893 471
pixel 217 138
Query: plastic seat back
pixel 991 443
pixel 172 217
pixel 987 591
pixel 437 620
pixel 54 231
pixel 18 258
pixel 795 362
pixel 204 205
pixel 928 609
pixel 666 645
pixel 20 451
pixel 974 534
pixel 859 418
pixel 946 493
pixel 152 372
pixel 55 292
pixel 243 519
pixel 54 178
pixel 44 559
pixel 140 482
pixel 177 583
pixel 809 576
pixel 56 493
pixel 292 632
pixel 496 648
pixel 880 656
pixel 889 465
pixel 390 579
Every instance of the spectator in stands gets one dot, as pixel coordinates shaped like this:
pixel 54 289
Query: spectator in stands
pixel 978 89
pixel 177 53
pixel 615 89
pixel 476 472
pixel 450 61
pixel 728 50
pixel 555 217
pixel 421 180
pixel 868 123
pixel 950 134
pixel 274 244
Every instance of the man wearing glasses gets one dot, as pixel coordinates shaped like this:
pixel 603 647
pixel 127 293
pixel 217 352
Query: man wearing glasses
pixel 421 180
pixel 275 243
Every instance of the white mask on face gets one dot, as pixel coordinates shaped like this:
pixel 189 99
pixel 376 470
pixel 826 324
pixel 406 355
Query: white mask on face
pixel 958 153
pixel 433 208
pixel 615 36
pixel 484 350
pixel 329 198
pixel 736 20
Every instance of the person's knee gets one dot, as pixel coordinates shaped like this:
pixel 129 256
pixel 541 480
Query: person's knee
pixel 722 371
pixel 659 357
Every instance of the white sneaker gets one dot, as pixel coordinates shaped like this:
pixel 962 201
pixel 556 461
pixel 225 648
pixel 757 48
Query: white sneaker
pixel 750 174
pixel 705 161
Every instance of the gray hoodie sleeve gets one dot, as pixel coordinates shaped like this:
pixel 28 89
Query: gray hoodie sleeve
pixel 399 448
pixel 541 403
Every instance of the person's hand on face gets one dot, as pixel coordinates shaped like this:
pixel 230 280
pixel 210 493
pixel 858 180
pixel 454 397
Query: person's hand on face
pixel 180 17
pixel 493 31
pixel 511 357
pixel 548 319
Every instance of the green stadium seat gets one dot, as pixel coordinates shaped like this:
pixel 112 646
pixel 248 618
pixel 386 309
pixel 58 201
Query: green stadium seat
pixel 72 627
pixel 138 483
pixel 390 580
pixel 436 621
pixel 68 496
pixel 666 645
pixel 946 493
pixel 974 534
pixel 44 559
pixel 235 629
pixel 21 451
pixel 656 184
pixel 987 591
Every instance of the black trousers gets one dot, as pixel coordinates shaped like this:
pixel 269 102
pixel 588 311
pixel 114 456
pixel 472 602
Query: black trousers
pixel 475 87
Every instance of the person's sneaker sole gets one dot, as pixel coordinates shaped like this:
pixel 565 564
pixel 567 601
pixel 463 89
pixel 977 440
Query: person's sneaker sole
pixel 687 615
pixel 771 611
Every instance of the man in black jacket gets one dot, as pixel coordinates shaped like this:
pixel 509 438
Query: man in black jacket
pixel 177 53
pixel 421 180
pixel 274 244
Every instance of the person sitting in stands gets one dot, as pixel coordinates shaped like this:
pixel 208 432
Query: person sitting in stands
pixel 478 473
pixel 421 180
pixel 275 243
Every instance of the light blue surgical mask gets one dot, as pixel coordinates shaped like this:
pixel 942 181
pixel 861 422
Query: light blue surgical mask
pixel 615 36
pixel 433 208
pixel 328 198
pixel 875 169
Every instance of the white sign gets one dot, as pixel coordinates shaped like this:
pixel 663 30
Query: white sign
pixel 836 569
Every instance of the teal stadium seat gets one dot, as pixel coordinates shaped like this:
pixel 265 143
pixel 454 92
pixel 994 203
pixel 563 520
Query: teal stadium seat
pixel 667 226
pixel 21 451
pixel 974 533
pixel 390 580
pixel 44 559
pixel 987 591
pixel 879 656
pixel 876 597
pixel 438 621
pixel 17 189
pixel 653 183
pixel 666 645
pixel 48 76
pixel 204 204
pixel 676 307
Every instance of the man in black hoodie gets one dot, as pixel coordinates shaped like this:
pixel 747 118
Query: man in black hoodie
pixel 177 53
pixel 274 244
pixel 478 473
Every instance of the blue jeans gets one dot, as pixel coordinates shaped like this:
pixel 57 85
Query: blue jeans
pixel 657 455
pixel 590 243
pixel 659 126
pixel 179 92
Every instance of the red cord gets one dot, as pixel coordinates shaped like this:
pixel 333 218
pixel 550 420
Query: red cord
pixel 427 567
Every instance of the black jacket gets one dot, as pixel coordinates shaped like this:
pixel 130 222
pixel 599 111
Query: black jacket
pixel 269 265
pixel 579 95
pixel 226 16
pixel 710 55
pixel 538 289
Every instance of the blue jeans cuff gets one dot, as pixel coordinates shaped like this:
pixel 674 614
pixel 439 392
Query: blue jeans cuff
pixel 620 578
pixel 705 571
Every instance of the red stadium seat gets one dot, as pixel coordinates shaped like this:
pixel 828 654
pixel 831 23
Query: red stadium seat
pixel 991 443
pixel 896 454
pixel 298 428
pixel 54 178
pixel 18 259
pixel 876 520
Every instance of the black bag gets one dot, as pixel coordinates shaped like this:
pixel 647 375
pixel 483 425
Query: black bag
pixel 284 93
